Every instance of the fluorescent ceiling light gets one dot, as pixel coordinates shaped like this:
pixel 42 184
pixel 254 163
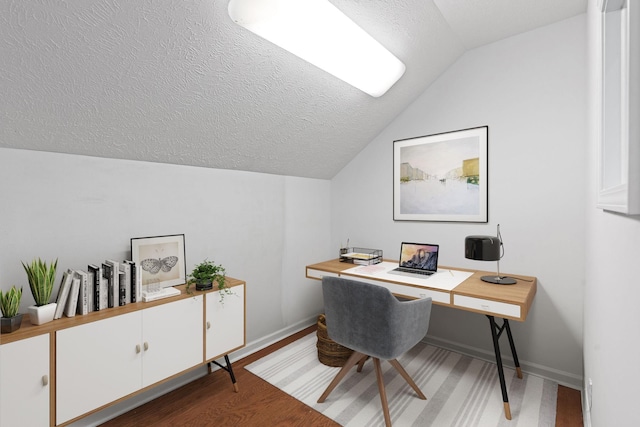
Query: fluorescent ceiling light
pixel 319 33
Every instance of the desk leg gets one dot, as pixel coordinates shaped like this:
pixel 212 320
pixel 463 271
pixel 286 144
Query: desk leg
pixel 227 368
pixel 496 331
pixel 513 349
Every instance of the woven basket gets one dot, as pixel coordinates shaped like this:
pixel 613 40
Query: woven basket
pixel 330 353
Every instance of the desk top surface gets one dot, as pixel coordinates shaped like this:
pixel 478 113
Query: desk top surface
pixel 521 294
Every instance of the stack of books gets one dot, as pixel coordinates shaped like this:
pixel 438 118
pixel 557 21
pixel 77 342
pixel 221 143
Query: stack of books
pixel 99 287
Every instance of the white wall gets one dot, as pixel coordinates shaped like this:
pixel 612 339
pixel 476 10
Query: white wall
pixel 612 291
pixel 531 91
pixel 262 228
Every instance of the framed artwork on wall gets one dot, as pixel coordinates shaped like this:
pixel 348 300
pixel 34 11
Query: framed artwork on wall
pixel 161 258
pixel 441 177
pixel 619 106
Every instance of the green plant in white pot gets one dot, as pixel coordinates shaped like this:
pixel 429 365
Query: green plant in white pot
pixel 9 305
pixel 41 280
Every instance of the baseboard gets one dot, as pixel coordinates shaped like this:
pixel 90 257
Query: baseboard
pixel 563 378
pixel 586 407
pixel 133 402
pixel 272 338
pixel 586 413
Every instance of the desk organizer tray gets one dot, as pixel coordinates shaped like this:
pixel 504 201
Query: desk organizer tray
pixel 361 256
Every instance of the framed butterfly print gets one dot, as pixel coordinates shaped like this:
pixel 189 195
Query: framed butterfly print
pixel 161 258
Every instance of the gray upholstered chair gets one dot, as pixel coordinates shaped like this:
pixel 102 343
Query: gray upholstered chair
pixel 373 323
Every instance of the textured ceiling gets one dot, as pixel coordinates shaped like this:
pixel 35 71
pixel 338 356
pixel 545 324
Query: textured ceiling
pixel 175 81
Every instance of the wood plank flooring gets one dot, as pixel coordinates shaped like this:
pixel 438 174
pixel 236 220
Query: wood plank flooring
pixel 211 401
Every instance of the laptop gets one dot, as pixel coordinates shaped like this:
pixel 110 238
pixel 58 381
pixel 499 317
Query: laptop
pixel 417 260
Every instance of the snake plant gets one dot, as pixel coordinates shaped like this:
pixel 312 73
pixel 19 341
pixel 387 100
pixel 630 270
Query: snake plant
pixel 41 279
pixel 10 302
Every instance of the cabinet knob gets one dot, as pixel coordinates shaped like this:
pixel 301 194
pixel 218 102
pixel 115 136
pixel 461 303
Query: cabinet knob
pixel 146 346
pixel 45 380
pixel 208 325
pixel 137 348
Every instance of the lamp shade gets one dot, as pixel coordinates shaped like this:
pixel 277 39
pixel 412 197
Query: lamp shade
pixel 482 248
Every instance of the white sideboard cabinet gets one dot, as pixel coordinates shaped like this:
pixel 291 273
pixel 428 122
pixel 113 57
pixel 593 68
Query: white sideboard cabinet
pixel 61 371
pixel 25 382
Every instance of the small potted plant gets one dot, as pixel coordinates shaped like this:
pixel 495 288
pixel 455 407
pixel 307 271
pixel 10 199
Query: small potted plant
pixel 41 280
pixel 204 274
pixel 9 305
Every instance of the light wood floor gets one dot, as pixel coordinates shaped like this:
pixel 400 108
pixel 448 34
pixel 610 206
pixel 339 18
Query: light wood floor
pixel 211 401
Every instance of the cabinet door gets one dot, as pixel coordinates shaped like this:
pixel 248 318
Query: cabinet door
pixel 225 330
pixel 24 382
pixel 97 363
pixel 172 338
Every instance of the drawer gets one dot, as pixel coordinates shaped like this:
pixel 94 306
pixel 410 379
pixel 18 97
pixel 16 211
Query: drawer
pixel 488 306
pixel 318 274
pixel 407 291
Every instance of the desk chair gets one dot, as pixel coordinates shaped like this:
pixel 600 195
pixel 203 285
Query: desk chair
pixel 369 320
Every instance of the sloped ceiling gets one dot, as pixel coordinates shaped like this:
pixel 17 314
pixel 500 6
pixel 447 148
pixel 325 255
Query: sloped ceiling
pixel 176 81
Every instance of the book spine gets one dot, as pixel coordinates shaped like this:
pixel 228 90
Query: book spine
pixel 114 286
pixel 104 292
pixel 63 294
pixel 138 283
pixel 90 290
pixel 97 281
pixel 72 301
pixel 135 276
pixel 83 293
pixel 122 288
pixel 125 267
pixel 134 282
pixel 107 274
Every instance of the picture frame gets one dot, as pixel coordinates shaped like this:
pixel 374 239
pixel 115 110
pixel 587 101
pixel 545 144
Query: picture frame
pixel 442 177
pixel 618 154
pixel 161 258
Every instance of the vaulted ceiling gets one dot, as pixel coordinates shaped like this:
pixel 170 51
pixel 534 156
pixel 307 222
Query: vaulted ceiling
pixel 176 81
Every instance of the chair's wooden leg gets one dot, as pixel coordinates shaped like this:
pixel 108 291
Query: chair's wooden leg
pixel 361 363
pixel 345 369
pixel 383 393
pixel 407 378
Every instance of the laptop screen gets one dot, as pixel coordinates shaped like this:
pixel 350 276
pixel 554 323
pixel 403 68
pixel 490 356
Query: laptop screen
pixel 421 256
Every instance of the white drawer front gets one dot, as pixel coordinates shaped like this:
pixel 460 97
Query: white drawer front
pixel 491 307
pixel 317 274
pixel 410 291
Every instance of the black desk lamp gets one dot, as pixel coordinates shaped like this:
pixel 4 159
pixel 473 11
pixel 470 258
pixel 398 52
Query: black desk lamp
pixel 487 248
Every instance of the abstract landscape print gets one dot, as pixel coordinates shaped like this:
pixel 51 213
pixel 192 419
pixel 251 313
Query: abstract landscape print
pixel 441 177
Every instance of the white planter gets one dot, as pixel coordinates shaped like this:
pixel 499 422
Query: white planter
pixel 41 314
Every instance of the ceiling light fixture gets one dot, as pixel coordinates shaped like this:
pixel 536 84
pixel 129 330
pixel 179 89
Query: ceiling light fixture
pixel 319 33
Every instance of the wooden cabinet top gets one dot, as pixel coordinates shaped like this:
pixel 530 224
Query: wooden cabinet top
pixel 27 330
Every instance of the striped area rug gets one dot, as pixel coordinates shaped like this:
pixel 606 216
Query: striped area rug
pixel 460 390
